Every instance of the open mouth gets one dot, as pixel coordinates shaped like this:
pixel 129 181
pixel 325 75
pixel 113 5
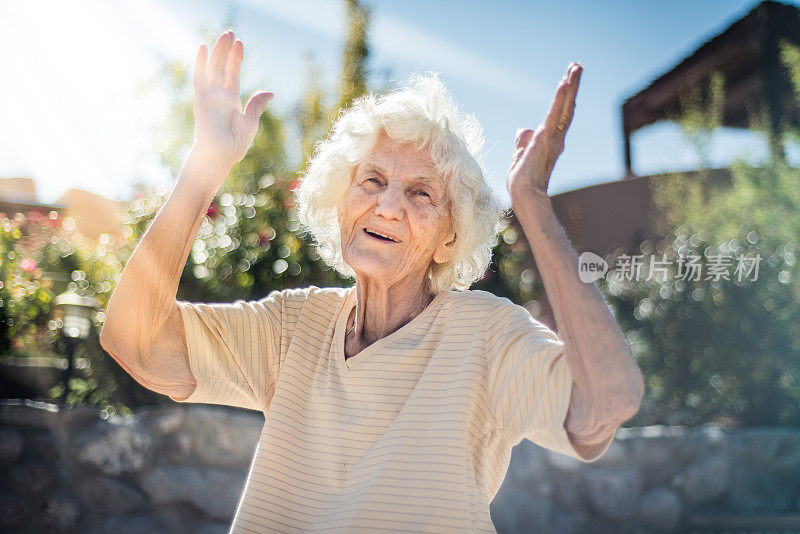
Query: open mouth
pixel 380 236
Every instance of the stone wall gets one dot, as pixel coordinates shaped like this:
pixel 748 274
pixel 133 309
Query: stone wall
pixel 659 479
pixel 182 468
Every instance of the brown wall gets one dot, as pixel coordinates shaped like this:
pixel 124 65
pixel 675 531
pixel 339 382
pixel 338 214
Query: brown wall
pixel 619 214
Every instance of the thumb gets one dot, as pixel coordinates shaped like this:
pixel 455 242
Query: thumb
pixel 255 106
pixel 523 137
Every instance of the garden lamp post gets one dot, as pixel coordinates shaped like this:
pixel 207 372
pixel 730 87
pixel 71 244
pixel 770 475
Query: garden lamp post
pixel 77 311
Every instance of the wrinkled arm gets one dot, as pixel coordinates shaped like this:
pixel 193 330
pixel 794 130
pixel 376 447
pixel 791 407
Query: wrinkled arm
pixel 143 330
pixel 607 384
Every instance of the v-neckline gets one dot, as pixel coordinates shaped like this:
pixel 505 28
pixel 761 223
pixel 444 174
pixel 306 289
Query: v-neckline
pixel 341 326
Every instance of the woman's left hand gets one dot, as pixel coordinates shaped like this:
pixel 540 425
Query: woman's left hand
pixel 535 153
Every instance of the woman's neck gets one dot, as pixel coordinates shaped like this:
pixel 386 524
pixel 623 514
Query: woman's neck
pixel 383 309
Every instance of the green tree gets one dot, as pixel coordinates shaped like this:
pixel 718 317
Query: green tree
pixel 356 54
pixel 250 241
pixel 701 113
pixel 313 113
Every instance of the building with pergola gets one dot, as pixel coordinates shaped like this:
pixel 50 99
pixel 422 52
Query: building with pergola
pixel 618 216
pixel 747 55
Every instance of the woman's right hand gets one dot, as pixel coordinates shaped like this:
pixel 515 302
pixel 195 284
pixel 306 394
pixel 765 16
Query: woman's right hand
pixel 223 132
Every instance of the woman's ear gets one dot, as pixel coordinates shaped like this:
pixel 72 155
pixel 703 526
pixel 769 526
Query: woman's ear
pixel 444 252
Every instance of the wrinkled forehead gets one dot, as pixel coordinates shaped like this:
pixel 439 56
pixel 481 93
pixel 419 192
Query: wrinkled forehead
pixel 401 159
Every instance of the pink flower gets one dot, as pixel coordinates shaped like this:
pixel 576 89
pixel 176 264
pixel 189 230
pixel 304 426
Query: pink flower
pixel 27 264
pixel 35 216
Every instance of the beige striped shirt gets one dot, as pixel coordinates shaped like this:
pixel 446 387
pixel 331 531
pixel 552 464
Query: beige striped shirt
pixel 412 434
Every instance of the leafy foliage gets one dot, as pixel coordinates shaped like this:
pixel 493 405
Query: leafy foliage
pixel 25 296
pixel 41 256
pixel 356 54
pixel 249 242
pixel 711 350
pixel 721 350
pixel 701 114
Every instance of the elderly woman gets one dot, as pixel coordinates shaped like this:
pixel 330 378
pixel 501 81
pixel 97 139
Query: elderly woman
pixel 391 405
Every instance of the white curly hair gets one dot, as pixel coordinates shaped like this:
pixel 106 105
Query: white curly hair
pixel 423 112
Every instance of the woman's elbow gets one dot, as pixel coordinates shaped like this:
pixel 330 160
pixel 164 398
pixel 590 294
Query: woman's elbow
pixel 639 386
pixel 629 403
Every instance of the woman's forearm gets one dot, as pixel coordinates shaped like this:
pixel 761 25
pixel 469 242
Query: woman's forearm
pixel 145 293
pixel 608 385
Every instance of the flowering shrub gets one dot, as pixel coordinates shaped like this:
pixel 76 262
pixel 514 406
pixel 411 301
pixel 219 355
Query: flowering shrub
pixel 248 244
pixel 42 255
pixel 25 294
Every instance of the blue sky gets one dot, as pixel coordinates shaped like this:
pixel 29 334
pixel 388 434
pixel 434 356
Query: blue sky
pixel 75 117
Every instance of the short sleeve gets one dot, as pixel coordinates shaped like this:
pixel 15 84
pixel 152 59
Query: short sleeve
pixel 529 380
pixel 234 351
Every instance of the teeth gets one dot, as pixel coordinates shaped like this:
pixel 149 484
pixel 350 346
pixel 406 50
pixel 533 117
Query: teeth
pixel 382 235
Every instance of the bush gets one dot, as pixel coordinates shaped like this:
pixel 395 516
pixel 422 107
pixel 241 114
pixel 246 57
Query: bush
pixel 716 349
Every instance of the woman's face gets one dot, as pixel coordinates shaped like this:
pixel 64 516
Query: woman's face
pixel 395 216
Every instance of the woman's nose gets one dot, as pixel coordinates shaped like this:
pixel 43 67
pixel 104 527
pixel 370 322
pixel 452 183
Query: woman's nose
pixel 390 204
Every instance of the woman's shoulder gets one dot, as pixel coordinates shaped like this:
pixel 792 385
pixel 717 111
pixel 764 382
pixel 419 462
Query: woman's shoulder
pixel 479 298
pixel 497 313
pixel 310 295
pixel 477 307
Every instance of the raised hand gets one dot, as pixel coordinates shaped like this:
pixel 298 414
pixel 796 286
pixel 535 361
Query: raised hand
pixel 535 153
pixel 223 132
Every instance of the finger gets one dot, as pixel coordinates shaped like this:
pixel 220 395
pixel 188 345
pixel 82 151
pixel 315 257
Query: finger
pixel 216 66
pixel 524 136
pixel 573 80
pixel 554 118
pixel 522 144
pixel 200 65
pixel 234 67
pixel 255 106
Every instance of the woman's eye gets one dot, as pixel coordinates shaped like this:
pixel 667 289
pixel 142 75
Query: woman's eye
pixel 423 194
pixel 374 180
